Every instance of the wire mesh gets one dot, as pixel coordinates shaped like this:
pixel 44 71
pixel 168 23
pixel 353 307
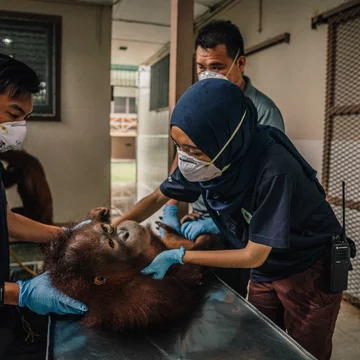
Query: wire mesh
pixel 342 129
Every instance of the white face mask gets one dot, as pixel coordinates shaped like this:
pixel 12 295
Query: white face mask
pixel 12 135
pixel 212 74
pixel 195 170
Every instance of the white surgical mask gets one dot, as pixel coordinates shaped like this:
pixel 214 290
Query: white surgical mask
pixel 12 135
pixel 212 74
pixel 196 170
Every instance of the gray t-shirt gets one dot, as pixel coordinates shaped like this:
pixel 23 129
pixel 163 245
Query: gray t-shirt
pixel 268 114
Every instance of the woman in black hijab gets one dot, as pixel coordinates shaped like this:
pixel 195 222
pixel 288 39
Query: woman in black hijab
pixel 268 204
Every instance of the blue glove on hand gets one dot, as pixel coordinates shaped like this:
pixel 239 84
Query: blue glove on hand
pixel 170 219
pixel 79 225
pixel 192 229
pixel 160 265
pixel 41 297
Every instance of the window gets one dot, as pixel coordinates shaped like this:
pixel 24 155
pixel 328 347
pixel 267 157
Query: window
pixel 120 105
pixel 35 40
pixel 159 85
pixel 125 105
pixel 132 105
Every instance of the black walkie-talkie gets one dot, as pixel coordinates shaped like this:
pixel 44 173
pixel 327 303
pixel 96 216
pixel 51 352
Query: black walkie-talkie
pixel 340 255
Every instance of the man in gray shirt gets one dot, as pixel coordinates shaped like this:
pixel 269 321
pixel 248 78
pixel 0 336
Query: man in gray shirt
pixel 219 50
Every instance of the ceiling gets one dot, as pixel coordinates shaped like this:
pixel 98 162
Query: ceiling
pixel 143 26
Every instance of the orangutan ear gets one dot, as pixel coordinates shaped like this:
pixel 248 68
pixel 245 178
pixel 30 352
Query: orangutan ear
pixel 99 280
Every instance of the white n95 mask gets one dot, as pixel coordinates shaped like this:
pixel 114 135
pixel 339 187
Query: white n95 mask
pixel 12 135
pixel 195 170
pixel 211 75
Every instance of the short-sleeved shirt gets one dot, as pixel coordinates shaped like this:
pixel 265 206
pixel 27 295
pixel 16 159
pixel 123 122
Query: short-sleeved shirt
pixel 283 209
pixel 268 114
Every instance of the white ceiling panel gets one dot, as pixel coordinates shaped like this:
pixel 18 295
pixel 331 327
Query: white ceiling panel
pixel 132 31
pixel 157 11
pixel 136 53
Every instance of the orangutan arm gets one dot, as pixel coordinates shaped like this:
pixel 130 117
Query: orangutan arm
pixel 24 229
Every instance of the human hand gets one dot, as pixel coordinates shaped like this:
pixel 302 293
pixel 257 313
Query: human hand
pixel 160 265
pixel 41 297
pixel 192 229
pixel 170 219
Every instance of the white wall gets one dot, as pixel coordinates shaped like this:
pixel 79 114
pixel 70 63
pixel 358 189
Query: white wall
pixel 293 74
pixel 75 153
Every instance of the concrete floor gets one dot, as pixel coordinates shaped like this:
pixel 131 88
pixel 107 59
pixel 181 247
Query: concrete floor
pixel 346 339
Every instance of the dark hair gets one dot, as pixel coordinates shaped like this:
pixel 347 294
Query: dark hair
pixel 17 78
pixel 219 32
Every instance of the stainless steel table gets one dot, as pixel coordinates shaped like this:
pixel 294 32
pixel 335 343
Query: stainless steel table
pixel 224 327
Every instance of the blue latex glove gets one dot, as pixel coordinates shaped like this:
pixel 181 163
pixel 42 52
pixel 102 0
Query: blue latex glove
pixel 41 297
pixel 160 265
pixel 192 229
pixel 79 225
pixel 169 218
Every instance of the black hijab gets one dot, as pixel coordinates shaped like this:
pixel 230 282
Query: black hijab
pixel 208 113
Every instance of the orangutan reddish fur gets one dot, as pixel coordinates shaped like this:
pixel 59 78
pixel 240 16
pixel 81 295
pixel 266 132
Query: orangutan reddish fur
pixel 127 299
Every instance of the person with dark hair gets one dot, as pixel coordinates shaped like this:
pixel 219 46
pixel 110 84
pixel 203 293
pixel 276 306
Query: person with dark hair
pixel 18 84
pixel 267 202
pixel 219 50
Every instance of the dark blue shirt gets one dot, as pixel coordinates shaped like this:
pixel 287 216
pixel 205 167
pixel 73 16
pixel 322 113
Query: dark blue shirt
pixel 4 238
pixel 283 209
pixel 5 312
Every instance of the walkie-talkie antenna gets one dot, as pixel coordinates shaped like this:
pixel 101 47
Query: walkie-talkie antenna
pixel 343 234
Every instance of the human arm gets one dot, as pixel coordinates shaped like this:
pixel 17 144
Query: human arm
pixel 11 293
pixel 269 227
pixel 175 186
pixel 252 256
pixel 144 208
pixel 25 229
pixel 41 297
